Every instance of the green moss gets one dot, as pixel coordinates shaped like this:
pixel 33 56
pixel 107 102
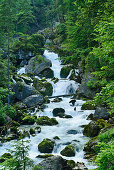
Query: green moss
pixel 65 71
pixel 71 163
pixel 28 120
pixel 88 106
pixel 44 156
pixel 32 131
pixel 46 146
pixel 45 120
pixel 68 151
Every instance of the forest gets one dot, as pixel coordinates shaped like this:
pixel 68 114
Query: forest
pixel 81 33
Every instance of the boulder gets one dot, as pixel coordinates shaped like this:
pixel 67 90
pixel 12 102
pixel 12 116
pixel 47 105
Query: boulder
pixel 87 106
pixel 72 132
pixel 37 64
pixel 94 127
pixel 32 131
pixel 65 71
pixel 33 100
pixel 28 120
pixel 47 73
pixel 46 146
pixel 58 111
pixel 23 90
pixel 57 99
pixel 68 151
pixel 91 146
pixel 84 91
pixel 101 113
pixel 46 121
pixel 44 87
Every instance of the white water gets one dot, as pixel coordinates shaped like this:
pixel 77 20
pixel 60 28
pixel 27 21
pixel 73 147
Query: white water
pixel 63 86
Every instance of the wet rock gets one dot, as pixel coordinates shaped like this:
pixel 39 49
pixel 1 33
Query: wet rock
pixel 72 132
pixel 55 80
pixel 46 121
pixel 73 102
pixel 26 134
pixel 33 100
pixel 90 147
pixel 26 79
pixel 57 111
pixel 101 113
pixel 38 129
pixel 56 138
pixel 57 99
pixel 68 151
pixel 46 146
pixel 65 71
pixel 47 73
pixel 28 120
pixel 32 131
pixel 68 116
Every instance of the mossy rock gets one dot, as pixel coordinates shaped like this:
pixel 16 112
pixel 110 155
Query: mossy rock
pixel 71 163
pixel 47 73
pixel 32 131
pixel 45 120
pixel 68 151
pixel 91 146
pixel 14 123
pixel 56 138
pixel 58 111
pixel 38 129
pixel 26 79
pixel 46 146
pixel 28 120
pixel 45 156
pixel 94 127
pixel 88 106
pixel 14 130
pixel 45 88
pixel 65 71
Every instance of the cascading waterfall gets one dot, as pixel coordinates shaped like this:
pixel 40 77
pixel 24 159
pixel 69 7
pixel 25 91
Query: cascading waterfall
pixel 65 126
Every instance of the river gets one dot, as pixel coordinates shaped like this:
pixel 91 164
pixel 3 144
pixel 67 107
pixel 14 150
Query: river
pixel 66 126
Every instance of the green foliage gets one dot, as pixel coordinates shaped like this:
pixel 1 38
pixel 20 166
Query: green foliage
pixel 20 158
pixel 105 149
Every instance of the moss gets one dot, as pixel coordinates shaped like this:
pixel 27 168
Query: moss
pixel 49 89
pixel 68 151
pixel 45 120
pixel 28 120
pixel 71 163
pixel 46 146
pixel 44 156
pixel 32 131
pixel 65 71
pixel 88 106
pixel 20 86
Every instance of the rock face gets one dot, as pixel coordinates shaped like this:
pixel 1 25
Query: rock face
pixel 33 100
pixel 37 64
pixel 68 151
pixel 46 121
pixel 23 90
pixel 84 90
pixel 101 113
pixel 46 146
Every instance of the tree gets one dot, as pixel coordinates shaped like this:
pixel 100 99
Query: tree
pixel 20 160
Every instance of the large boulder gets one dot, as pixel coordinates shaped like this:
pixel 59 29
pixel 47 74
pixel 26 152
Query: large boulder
pixel 46 121
pixel 46 146
pixel 94 127
pixel 44 87
pixel 84 90
pixel 33 100
pixel 47 73
pixel 23 90
pixel 101 113
pixel 28 120
pixel 37 64
pixel 68 151
pixel 65 71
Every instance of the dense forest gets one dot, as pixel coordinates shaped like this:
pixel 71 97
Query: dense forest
pixel 81 32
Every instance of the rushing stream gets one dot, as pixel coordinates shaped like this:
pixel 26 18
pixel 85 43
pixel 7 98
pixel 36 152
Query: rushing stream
pixel 68 130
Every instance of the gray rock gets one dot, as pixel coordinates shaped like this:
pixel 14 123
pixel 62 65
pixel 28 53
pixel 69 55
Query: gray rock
pixel 23 90
pixel 54 163
pixel 72 132
pixel 34 66
pixel 101 113
pixel 33 100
